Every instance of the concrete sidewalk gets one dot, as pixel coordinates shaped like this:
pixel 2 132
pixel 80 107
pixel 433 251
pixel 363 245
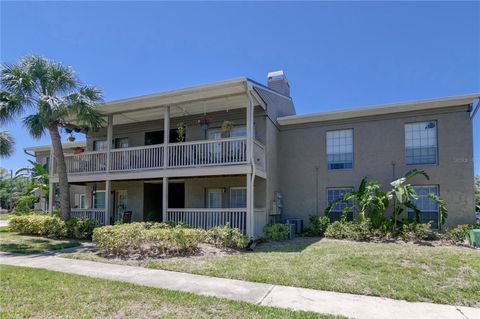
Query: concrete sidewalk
pixel 352 306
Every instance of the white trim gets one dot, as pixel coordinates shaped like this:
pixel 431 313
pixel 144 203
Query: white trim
pixel 379 110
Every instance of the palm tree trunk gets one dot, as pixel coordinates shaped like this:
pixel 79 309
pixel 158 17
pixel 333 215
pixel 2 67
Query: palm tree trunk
pixel 61 171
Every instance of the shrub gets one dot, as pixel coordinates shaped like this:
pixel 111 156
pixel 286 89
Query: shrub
pixel 457 234
pixel 24 204
pixel 416 231
pixel 319 225
pixel 147 239
pixel 225 236
pixel 81 228
pixel 350 230
pixel 276 231
pixel 42 225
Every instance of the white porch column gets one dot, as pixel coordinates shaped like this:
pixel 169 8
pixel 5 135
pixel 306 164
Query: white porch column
pixel 108 204
pixel 249 131
pixel 108 182
pixel 165 199
pixel 249 205
pixel 51 191
pixel 109 140
pixel 166 135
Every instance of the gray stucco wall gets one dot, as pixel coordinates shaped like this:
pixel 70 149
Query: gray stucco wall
pixel 378 142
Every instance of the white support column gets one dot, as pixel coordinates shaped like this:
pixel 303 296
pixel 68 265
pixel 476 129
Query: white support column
pixel 249 205
pixel 108 204
pixel 51 191
pixel 109 140
pixel 165 199
pixel 166 135
pixel 108 182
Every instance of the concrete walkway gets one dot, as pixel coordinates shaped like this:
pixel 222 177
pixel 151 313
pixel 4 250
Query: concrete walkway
pixel 352 306
pixel 4 223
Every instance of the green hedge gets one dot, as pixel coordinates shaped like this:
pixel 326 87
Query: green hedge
pixel 154 239
pixel 225 236
pixel 41 225
pixel 276 231
pixel 52 226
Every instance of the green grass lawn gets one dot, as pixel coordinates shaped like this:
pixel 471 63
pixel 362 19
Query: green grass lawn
pixel 15 243
pixel 447 275
pixel 36 293
pixel 5 216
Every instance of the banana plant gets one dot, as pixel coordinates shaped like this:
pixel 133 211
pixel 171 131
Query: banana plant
pixel 403 194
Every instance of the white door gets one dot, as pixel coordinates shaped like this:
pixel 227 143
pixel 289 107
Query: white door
pixel 214 149
pixel 214 198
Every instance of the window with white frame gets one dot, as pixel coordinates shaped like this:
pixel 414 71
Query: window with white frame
pixel 214 198
pixel 99 145
pixel 81 202
pixel 99 200
pixel 428 207
pixel 340 149
pixel 421 143
pixel 238 197
pixel 335 194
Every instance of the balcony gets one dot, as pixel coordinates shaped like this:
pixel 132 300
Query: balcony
pixel 228 151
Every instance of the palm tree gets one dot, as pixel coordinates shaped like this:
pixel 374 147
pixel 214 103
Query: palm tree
pixel 55 99
pixel 6 144
pixel 38 176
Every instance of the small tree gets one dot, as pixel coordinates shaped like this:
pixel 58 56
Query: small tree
pixel 38 176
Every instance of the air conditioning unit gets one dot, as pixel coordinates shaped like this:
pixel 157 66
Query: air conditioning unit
pixel 291 231
pixel 297 222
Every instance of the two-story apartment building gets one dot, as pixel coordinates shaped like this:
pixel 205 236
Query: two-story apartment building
pixel 235 152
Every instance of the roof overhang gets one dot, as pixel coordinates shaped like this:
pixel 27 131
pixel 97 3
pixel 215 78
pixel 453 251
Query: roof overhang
pixel 218 96
pixel 44 148
pixel 380 110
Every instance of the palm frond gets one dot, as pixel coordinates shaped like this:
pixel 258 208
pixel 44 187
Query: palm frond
pixel 415 172
pixel 6 144
pixel 16 80
pixel 36 125
pixel 11 106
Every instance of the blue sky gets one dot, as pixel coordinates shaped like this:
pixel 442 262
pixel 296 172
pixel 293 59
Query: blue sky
pixel 336 55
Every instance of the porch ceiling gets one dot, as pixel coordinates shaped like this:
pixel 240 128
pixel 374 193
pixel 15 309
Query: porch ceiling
pixel 182 109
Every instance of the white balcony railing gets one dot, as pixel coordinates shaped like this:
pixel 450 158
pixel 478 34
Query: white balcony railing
pixel 226 151
pixel 132 158
pixel 209 217
pixel 87 162
pixel 95 214
pixel 210 152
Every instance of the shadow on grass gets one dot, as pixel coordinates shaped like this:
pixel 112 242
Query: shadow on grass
pixel 22 248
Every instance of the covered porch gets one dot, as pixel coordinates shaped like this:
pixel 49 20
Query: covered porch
pixel 199 202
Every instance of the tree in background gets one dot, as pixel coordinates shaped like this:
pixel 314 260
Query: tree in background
pixel 54 99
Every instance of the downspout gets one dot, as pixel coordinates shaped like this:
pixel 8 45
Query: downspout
pixel 252 162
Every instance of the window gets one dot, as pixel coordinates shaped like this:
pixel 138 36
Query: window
pixel 99 145
pixel 340 149
pixel 427 206
pixel 335 194
pixel 81 203
pixel 121 142
pixel 421 143
pixel 238 197
pixel 214 199
pixel 99 199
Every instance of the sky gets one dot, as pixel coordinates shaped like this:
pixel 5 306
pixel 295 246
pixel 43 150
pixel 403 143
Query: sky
pixel 336 55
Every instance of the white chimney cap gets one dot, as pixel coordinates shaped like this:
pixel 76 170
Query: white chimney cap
pixel 276 74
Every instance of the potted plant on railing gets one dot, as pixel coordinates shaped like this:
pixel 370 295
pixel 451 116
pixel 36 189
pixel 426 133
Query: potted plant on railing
pixel 227 127
pixel 181 131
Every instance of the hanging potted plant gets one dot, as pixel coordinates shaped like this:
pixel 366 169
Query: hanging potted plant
pixel 227 127
pixel 204 122
pixel 71 138
pixel 181 130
